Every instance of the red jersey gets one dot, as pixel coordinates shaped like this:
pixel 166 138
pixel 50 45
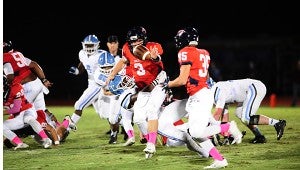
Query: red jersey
pixel 19 64
pixel 143 71
pixel 17 91
pixel 199 59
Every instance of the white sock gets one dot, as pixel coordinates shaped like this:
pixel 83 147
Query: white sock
pixel 273 121
pixel 75 118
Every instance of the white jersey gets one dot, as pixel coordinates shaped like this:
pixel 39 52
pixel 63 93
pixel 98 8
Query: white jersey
pixel 100 77
pixel 90 63
pixel 232 91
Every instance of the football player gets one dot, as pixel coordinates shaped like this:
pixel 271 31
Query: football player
pixel 89 56
pixel 22 112
pixel 194 64
pixel 248 95
pixel 144 72
pixel 20 69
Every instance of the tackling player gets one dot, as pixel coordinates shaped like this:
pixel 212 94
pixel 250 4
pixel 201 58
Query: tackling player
pixel 247 94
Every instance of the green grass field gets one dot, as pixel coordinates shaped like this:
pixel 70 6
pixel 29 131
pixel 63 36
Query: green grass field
pixel 88 148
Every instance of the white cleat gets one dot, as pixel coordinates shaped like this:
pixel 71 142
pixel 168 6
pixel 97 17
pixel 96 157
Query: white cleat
pixel 217 164
pixel 72 125
pixel 235 132
pixel 149 150
pixel 21 146
pixel 47 143
pixel 129 142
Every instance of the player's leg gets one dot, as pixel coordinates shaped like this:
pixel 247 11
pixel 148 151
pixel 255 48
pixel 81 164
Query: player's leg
pixel 87 98
pixel 30 118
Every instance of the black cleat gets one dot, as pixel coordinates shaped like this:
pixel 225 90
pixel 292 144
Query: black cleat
pixel 143 141
pixel 259 139
pixel 113 139
pixel 279 127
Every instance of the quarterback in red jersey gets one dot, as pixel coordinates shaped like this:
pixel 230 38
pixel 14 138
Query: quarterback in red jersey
pixel 147 73
pixel 144 71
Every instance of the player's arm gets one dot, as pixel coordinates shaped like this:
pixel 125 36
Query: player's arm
pixel 81 68
pixel 15 108
pixel 182 78
pixel 117 68
pixel 220 104
pixel 9 72
pixel 37 69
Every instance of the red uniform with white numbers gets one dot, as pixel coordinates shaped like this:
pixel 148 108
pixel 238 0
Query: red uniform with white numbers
pixel 19 63
pixel 16 92
pixel 199 60
pixel 144 71
pixel 200 102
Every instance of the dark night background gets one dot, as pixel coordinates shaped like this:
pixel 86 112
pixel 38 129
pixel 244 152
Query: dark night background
pixel 245 38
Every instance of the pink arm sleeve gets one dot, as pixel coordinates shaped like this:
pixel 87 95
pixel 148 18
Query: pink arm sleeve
pixel 16 107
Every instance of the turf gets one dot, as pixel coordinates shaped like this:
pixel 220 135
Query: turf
pixel 88 148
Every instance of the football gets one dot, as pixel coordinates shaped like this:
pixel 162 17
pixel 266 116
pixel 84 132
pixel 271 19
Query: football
pixel 141 52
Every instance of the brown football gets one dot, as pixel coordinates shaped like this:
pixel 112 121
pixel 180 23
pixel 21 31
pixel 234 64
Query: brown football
pixel 141 52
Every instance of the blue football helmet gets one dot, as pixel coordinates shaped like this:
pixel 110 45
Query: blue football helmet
pixel 120 83
pixel 106 62
pixel 185 37
pixel 90 44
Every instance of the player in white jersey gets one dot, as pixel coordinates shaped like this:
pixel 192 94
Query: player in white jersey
pixel 248 95
pixel 89 57
pixel 107 100
pixel 123 86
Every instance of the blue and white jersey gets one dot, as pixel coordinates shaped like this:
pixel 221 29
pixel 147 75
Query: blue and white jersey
pixel 232 91
pixel 90 63
pixel 99 77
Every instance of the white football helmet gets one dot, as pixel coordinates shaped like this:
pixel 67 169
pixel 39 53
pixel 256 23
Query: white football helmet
pixel 90 44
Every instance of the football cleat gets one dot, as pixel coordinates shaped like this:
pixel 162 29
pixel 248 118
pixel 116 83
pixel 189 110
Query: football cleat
pixel 72 125
pixel 279 127
pixel 47 143
pixel 217 164
pixel 21 146
pixel 113 139
pixel 259 139
pixel 149 150
pixel 129 142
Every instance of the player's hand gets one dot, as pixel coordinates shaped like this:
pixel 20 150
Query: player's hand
pixel 109 78
pixel 47 83
pixel 74 70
